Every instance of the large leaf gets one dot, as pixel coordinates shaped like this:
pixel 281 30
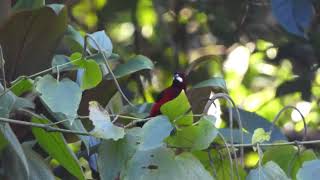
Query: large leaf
pixel 177 109
pixel 60 97
pixel 30 4
pixel 154 132
pixel 294 15
pixel 251 121
pixel 161 163
pixel 195 137
pixel 310 170
pixel 15 153
pixel 269 171
pixel 288 158
pixel 39 169
pixel 26 51
pixel 113 155
pixel 134 64
pixel 6 102
pixel 55 145
pixel 104 128
pixel 216 83
pixel 247 137
pixel 73 39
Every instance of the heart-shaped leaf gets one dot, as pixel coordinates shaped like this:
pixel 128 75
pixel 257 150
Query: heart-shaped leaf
pixel 154 132
pixel 60 96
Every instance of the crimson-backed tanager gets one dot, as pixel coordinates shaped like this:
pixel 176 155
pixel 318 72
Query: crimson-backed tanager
pixel 178 84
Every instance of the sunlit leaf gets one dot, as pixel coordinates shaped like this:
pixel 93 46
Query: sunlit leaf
pixel 104 128
pixel 134 64
pixel 177 109
pixel 55 145
pixel 162 163
pixel 259 136
pixel 154 132
pixel 61 97
pixel 90 74
pixel 21 86
pixel 195 137
pixel 269 171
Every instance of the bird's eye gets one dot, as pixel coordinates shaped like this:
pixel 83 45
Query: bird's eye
pixel 178 78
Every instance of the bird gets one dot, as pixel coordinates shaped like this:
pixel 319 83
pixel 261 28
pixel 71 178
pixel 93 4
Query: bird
pixel 168 94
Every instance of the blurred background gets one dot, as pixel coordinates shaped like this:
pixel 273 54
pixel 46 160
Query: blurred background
pixel 267 62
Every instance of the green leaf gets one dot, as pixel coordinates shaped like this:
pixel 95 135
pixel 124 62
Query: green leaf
pixel 14 152
pixel 113 155
pixel 60 97
pixel 103 41
pixel 176 109
pixel 21 86
pixel 27 51
pixel 30 4
pixel 55 145
pixel 92 75
pixel 103 127
pixel 195 137
pixel 39 169
pixel 215 83
pixel 73 39
pixel 134 64
pixel 247 137
pixel 154 132
pixel 6 102
pixel 161 163
pixel 288 158
pixel 259 136
pixel 269 171
pixel 309 170
pixel 59 61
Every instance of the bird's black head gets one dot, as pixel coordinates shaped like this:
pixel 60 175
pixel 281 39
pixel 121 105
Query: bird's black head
pixel 179 80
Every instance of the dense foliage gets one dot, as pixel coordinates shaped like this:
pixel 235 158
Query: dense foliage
pixel 77 77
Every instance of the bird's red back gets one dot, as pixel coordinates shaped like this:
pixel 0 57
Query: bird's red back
pixel 169 94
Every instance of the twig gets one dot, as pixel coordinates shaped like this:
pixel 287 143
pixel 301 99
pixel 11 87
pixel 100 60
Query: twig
pixel 276 144
pixel 2 69
pixel 109 69
pixel 230 101
pixel 280 113
pixel 229 154
pixel 46 127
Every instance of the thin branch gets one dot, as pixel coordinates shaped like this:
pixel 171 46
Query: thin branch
pixel 109 69
pixel 280 113
pixel 231 103
pixel 46 127
pixel 2 69
pixel 276 144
